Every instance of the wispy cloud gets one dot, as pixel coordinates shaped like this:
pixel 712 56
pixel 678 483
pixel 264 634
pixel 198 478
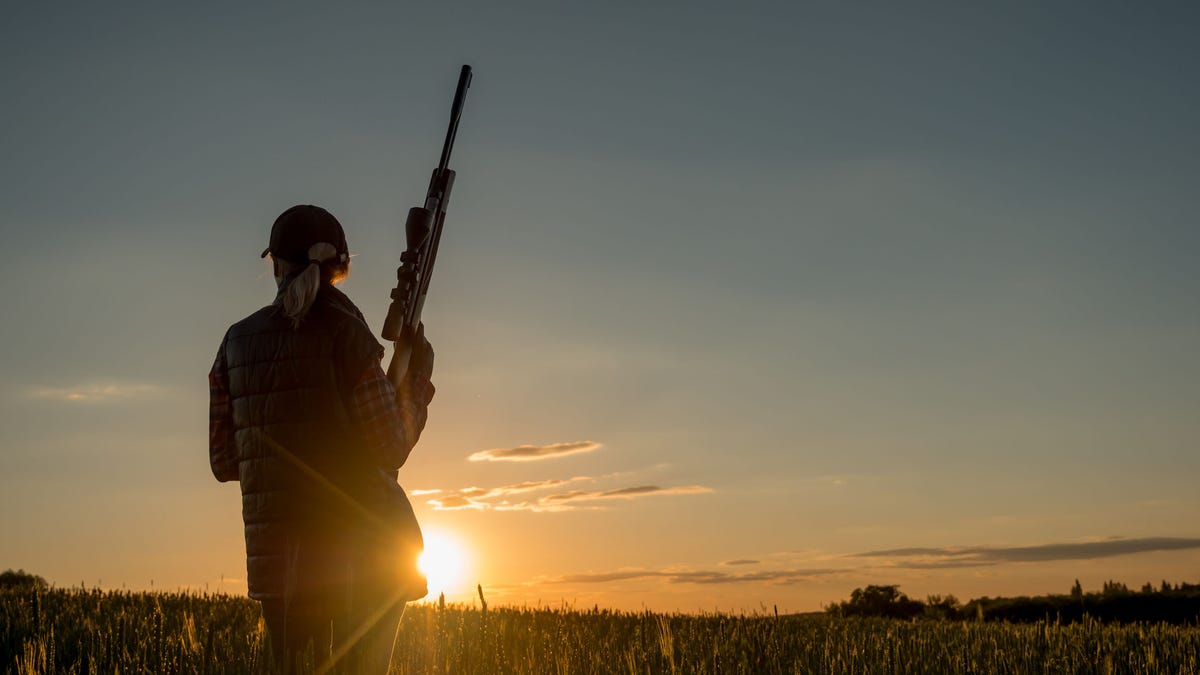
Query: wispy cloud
pixel 455 502
pixel 480 499
pixel 786 576
pixel 95 392
pixel 855 565
pixel 531 453
pixel 982 556
pixel 500 498
pixel 632 493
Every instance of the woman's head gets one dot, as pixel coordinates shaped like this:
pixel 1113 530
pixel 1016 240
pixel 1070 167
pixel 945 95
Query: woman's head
pixel 308 248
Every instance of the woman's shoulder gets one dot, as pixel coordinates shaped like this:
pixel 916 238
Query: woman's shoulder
pixel 343 317
pixel 253 323
pixel 331 299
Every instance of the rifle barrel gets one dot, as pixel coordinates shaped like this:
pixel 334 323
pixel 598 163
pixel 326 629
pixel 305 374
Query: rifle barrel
pixel 464 81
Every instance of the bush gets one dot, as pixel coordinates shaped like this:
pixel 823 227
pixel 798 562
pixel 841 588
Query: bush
pixel 21 580
pixel 879 601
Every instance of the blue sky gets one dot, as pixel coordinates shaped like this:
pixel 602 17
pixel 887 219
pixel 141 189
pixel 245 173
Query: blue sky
pixel 834 279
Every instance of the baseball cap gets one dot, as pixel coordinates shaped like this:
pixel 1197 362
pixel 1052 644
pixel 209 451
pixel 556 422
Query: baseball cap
pixel 301 226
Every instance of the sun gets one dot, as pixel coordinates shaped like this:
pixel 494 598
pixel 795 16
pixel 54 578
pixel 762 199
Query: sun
pixel 444 564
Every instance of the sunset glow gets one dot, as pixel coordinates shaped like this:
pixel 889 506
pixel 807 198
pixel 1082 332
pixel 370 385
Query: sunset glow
pixel 444 564
pixel 738 305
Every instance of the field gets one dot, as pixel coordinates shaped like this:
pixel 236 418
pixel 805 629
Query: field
pixel 92 631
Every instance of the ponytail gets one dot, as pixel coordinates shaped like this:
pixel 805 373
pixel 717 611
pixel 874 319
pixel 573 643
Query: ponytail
pixel 302 289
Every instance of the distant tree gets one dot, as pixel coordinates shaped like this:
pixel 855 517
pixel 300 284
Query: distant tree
pixel 942 607
pixel 1115 588
pixel 1077 591
pixel 1148 588
pixel 881 601
pixel 21 579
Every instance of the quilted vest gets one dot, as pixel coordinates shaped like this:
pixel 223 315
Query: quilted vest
pixel 303 464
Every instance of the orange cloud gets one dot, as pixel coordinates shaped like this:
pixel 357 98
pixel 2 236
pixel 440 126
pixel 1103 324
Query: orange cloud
pixel 630 493
pixel 531 453
pixel 788 576
pixel 455 503
pixel 481 499
pixel 92 393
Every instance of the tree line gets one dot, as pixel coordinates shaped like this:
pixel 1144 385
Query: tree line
pixel 1115 602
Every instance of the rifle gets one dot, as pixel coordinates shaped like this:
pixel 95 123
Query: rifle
pixel 423 229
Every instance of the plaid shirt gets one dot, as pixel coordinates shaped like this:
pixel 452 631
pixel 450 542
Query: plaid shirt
pixel 387 421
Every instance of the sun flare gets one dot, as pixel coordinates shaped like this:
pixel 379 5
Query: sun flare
pixel 444 564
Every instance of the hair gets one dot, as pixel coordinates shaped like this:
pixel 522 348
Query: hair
pixel 325 265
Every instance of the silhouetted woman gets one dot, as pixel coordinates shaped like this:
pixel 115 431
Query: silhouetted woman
pixel 303 416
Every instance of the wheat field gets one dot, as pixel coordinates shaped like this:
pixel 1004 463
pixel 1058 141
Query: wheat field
pixel 95 631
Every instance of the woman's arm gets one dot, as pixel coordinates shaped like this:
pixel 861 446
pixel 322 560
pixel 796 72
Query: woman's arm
pixel 392 424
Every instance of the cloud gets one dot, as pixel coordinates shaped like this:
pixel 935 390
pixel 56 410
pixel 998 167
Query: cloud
pixel 629 493
pixel 787 576
pixel 530 453
pixel 904 558
pixel 981 556
pixel 480 499
pixel 532 485
pixel 454 503
pixel 636 491
pixel 567 496
pixel 498 498
pixel 92 393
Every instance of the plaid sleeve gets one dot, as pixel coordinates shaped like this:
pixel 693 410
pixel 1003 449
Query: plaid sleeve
pixel 392 424
pixel 222 454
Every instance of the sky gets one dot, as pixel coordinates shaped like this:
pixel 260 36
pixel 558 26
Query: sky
pixel 738 306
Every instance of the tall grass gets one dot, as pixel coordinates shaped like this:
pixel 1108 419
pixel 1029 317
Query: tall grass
pixel 93 631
